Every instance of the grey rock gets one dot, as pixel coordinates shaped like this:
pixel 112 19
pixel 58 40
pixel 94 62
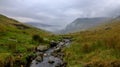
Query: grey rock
pixel 39 58
pixel 42 48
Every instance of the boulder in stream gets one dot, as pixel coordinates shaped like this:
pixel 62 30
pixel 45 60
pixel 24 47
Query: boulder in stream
pixel 58 65
pixel 51 61
pixel 45 55
pixel 58 49
pixel 53 44
pixel 39 58
pixel 42 48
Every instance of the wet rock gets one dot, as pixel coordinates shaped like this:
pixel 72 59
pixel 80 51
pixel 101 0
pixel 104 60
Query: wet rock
pixel 39 58
pixel 45 55
pixel 54 54
pixel 53 44
pixel 39 53
pixel 36 62
pixel 58 49
pixel 61 44
pixel 51 61
pixel 58 65
pixel 42 48
pixel 59 55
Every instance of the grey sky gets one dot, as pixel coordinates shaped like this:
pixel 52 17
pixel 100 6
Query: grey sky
pixel 58 12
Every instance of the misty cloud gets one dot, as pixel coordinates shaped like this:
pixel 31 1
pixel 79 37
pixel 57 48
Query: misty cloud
pixel 58 12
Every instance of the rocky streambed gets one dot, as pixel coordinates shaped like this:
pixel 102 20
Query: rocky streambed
pixel 52 57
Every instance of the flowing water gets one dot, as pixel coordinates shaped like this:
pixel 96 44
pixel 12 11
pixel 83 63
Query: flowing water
pixel 49 57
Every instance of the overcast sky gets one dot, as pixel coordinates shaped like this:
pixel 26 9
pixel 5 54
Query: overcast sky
pixel 58 12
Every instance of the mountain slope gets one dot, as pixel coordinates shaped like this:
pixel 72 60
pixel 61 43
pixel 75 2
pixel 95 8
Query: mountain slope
pixel 83 23
pixel 98 47
pixel 18 40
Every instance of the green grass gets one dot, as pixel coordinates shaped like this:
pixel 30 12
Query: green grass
pixel 95 47
pixel 17 38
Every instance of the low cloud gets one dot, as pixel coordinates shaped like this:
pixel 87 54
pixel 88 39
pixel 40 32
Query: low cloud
pixel 58 12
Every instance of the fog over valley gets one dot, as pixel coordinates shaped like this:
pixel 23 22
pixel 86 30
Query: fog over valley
pixel 57 14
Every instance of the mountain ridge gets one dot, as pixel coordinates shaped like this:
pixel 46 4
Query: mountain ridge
pixel 81 24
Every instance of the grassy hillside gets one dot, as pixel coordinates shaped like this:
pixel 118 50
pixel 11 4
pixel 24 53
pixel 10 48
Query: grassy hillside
pixel 95 48
pixel 18 39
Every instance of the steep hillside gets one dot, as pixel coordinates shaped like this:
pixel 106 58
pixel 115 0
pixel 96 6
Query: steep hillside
pixel 18 40
pixel 81 24
pixel 98 47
